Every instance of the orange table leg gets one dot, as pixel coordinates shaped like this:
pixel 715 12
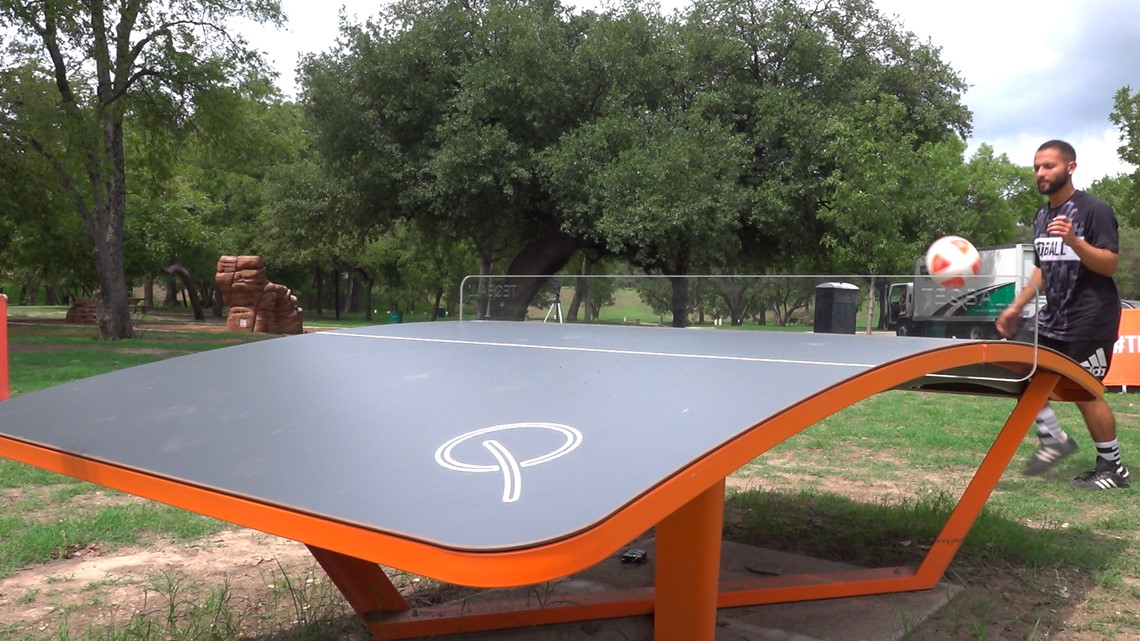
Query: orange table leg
pixel 986 478
pixel 363 583
pixel 4 391
pixel 688 569
pixel 933 566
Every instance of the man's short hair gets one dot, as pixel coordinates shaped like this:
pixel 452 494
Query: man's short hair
pixel 1067 151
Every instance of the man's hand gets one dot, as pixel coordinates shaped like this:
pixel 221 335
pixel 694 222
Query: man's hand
pixel 1063 227
pixel 1008 322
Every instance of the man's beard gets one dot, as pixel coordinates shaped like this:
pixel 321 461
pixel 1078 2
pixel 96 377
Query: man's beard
pixel 1050 187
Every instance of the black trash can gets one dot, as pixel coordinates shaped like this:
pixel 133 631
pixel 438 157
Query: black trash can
pixel 835 307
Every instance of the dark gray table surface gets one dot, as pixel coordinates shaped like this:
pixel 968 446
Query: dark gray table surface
pixel 353 424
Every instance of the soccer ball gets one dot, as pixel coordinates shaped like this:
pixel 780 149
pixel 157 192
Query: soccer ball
pixel 951 259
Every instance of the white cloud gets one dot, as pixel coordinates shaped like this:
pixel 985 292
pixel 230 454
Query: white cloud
pixel 1037 70
pixel 312 27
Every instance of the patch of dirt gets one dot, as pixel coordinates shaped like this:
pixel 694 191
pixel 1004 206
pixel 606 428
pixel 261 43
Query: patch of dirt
pixel 93 589
pixel 1004 602
pixel 866 491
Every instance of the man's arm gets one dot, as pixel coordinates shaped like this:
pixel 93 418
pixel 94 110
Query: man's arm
pixel 1010 317
pixel 1101 261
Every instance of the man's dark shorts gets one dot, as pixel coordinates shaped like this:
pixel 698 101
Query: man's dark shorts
pixel 1094 356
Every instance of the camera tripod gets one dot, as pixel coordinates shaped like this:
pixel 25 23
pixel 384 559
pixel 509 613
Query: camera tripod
pixel 556 306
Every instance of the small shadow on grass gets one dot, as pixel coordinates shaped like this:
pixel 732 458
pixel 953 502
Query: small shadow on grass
pixel 1023 581
pixel 838 528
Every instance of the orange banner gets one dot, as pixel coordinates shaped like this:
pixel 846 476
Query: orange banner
pixel 1125 369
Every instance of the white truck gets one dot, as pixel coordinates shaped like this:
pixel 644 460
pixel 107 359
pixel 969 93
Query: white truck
pixel 921 307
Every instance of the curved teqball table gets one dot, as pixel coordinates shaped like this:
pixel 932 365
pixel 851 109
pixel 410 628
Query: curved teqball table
pixel 495 454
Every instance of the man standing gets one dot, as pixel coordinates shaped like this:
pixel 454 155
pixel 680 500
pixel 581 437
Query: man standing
pixel 1077 254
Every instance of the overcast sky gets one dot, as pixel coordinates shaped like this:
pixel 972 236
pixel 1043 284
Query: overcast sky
pixel 1037 69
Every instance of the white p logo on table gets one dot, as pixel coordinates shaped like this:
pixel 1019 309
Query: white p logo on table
pixel 505 461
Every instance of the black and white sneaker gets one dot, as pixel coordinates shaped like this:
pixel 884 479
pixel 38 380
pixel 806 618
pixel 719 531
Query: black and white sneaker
pixel 1106 476
pixel 1047 456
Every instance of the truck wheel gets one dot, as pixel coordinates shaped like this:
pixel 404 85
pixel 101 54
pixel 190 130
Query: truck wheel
pixel 978 333
pixel 903 330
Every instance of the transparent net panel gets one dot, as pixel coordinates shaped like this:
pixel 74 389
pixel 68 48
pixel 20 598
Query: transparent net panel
pixel 901 306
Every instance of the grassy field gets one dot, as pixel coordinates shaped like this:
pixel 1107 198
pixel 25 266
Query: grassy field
pixel 870 485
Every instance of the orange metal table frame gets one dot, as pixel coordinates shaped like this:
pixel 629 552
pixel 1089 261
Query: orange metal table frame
pixel 686 508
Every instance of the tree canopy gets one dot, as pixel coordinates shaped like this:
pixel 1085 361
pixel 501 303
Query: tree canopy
pixel 83 70
pixel 502 136
pixel 676 142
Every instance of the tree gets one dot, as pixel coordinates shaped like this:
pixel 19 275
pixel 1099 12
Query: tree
pixel 43 241
pixel 1121 194
pixel 1126 116
pixel 1000 198
pixel 797 70
pixel 695 142
pixel 456 100
pixel 143 62
pixel 202 195
pixel 671 202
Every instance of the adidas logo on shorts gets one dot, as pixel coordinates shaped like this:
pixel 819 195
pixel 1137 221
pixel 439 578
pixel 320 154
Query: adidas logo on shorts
pixel 1096 364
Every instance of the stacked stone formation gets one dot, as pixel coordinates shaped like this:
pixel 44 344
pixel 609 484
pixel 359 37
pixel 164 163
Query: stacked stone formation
pixel 286 311
pixel 82 312
pixel 256 305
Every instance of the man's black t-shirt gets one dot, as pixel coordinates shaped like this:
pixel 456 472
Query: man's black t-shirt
pixel 1081 304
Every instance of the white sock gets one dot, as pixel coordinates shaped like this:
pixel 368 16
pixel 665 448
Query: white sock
pixel 1048 428
pixel 1110 452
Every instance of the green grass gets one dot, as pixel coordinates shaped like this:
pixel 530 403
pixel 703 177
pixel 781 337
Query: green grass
pixel 42 356
pixel 25 541
pixel 49 355
pixel 628 309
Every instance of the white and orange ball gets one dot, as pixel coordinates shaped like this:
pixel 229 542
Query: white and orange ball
pixel 951 260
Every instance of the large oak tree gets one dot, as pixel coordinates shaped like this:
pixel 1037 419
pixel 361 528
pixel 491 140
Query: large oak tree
pixel 148 63
pixel 682 143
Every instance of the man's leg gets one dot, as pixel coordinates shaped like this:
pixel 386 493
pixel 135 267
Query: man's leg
pixel 1100 419
pixel 1055 443
pixel 1110 471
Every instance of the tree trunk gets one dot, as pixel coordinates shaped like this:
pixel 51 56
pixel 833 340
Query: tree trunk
pixel 319 285
pixel 170 292
pixel 113 313
pixel 882 289
pixel 541 258
pixel 679 303
pixel 368 282
pixel 104 224
pixel 575 303
pixel 191 291
pixel 148 292
pixel 870 305
pixel 483 298
pixel 350 295
pixel 438 303
pixel 336 293
pixel 586 287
